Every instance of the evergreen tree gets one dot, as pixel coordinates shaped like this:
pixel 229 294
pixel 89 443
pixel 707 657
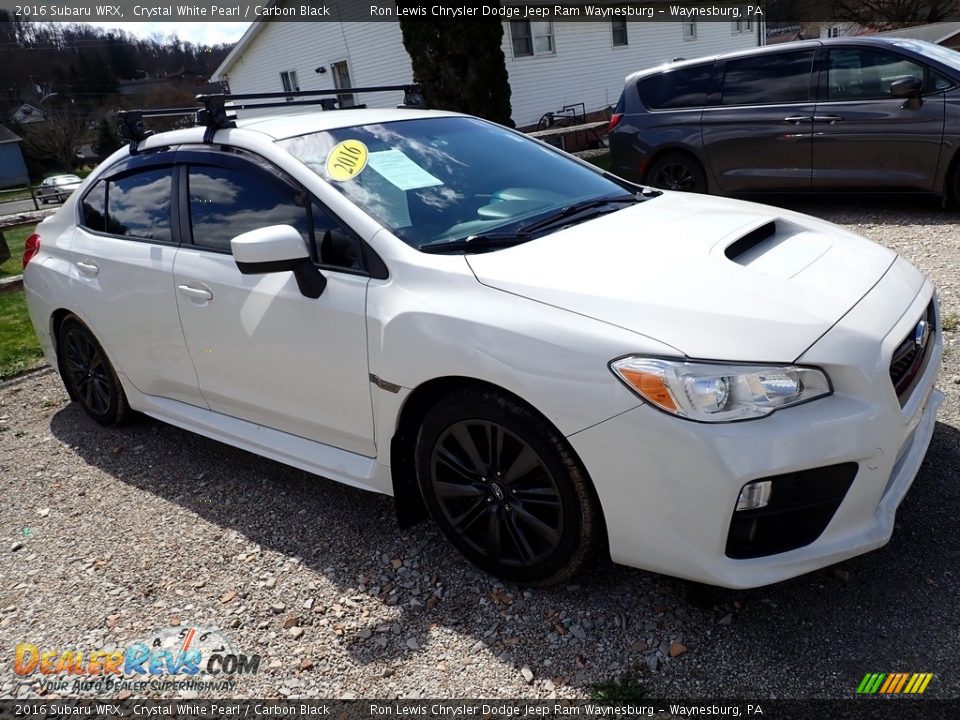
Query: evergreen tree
pixel 108 139
pixel 460 65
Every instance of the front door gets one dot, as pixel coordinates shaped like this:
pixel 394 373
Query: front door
pixel 865 138
pixel 264 352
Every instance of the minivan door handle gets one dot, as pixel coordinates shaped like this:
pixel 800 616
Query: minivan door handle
pixel 88 268
pixel 797 119
pixel 828 118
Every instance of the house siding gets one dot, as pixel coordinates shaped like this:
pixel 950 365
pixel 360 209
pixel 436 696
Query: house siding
pixel 585 67
pixel 374 53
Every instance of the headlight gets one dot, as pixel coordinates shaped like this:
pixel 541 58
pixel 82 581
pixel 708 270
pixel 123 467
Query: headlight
pixel 710 392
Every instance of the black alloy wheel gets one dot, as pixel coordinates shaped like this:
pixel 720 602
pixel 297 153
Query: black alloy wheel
pixel 679 172
pixel 505 488
pixel 496 492
pixel 88 375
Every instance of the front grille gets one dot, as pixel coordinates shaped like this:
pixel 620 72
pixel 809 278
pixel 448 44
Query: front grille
pixel 800 508
pixel 910 358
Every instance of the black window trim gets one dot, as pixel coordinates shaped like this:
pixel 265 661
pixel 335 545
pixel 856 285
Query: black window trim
pixel 133 165
pixel 372 265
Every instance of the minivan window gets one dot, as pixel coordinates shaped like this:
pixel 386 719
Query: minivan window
pixel 858 74
pixel 768 79
pixel 138 205
pixel 680 88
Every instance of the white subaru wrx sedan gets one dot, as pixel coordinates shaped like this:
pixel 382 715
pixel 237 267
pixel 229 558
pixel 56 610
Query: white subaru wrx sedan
pixel 551 362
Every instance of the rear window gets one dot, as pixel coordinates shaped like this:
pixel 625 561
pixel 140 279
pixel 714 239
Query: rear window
pixel 768 79
pixel 680 88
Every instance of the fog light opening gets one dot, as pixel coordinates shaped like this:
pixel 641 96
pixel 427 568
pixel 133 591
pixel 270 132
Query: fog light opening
pixel 754 496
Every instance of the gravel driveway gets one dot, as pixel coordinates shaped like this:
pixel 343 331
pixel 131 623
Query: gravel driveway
pixel 106 537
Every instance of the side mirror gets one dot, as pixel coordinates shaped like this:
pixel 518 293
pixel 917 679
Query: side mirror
pixel 907 88
pixel 278 248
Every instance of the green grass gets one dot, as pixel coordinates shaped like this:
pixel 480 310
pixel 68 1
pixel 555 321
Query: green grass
pixel 15 239
pixel 19 349
pixel 625 689
pixel 950 322
pixel 601 161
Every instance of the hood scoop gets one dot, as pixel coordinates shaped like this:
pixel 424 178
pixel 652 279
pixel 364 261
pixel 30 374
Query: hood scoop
pixel 751 240
pixel 778 248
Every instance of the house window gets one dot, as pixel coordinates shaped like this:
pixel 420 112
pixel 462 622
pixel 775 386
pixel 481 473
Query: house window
pixel 619 28
pixel 289 80
pixel 689 31
pixel 833 32
pixel 341 79
pixel 742 26
pixel 531 38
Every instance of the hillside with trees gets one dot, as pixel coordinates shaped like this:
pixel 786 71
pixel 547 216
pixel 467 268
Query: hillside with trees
pixel 76 75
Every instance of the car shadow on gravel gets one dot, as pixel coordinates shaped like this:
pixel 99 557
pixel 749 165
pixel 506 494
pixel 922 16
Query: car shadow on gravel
pixel 891 610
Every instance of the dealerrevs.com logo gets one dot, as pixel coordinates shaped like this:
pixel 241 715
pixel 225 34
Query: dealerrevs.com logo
pixel 203 658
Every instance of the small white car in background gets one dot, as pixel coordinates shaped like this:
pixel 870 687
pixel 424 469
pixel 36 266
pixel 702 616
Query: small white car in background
pixel 57 188
pixel 554 363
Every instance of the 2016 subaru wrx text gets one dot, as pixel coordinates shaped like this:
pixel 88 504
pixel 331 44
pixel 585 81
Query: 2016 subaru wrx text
pixel 551 361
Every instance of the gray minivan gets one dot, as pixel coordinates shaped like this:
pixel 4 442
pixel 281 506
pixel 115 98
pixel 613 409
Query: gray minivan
pixel 847 114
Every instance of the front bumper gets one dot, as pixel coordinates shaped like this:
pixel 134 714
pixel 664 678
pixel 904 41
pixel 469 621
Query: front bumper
pixel 669 499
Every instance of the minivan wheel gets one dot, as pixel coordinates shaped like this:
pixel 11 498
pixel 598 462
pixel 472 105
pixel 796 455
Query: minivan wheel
pixel 506 489
pixel 88 375
pixel 677 171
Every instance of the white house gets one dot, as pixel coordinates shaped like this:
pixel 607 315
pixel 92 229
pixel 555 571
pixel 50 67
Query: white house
pixel 550 64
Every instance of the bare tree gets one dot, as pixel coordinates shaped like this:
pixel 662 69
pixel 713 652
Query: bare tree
pixel 889 14
pixel 54 142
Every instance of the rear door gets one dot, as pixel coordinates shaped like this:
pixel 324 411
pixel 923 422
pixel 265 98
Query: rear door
pixel 757 131
pixel 264 352
pixel 865 138
pixel 122 276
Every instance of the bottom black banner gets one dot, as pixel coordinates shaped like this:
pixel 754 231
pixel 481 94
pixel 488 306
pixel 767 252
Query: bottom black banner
pixel 865 708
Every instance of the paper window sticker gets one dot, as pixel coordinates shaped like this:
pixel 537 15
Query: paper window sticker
pixel 401 171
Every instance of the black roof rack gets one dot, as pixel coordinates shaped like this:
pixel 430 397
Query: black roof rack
pixel 213 110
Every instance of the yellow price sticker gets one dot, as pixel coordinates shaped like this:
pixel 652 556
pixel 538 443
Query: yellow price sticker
pixel 346 160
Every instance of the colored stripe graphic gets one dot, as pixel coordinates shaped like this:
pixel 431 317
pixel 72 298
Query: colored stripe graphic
pixel 894 683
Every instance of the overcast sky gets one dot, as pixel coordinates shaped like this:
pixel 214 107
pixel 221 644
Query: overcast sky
pixel 200 33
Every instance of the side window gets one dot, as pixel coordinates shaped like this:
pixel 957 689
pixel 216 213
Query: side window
pixel 768 79
pixel 138 204
pixel 94 207
pixel 868 74
pixel 683 88
pixel 226 202
pixel 335 245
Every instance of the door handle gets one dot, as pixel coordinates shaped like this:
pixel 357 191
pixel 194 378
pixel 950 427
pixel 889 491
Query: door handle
pixel 828 118
pixel 195 293
pixel 88 268
pixel 797 119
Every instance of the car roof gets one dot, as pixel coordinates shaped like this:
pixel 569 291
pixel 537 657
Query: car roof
pixel 287 125
pixel 867 41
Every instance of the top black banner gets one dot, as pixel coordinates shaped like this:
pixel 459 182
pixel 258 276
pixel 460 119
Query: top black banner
pixel 772 13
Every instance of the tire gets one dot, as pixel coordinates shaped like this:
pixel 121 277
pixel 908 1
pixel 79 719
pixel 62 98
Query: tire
pixel 88 375
pixel 526 512
pixel 677 171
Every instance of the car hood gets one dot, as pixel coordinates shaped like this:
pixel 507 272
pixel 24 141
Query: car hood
pixel 712 277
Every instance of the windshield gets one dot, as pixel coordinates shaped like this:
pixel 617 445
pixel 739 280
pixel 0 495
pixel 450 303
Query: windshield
pixel 447 178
